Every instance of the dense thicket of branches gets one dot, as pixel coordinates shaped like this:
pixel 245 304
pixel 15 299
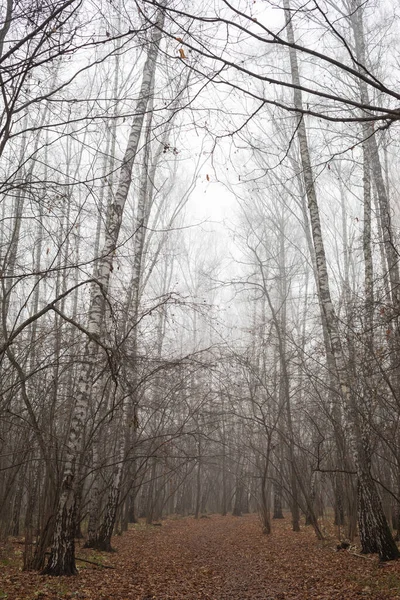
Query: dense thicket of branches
pixel 199 267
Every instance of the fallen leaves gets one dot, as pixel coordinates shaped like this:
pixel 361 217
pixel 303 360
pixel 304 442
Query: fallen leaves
pixel 221 558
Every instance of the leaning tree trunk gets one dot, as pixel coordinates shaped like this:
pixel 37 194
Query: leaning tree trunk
pixel 372 162
pixel 62 556
pixel 341 491
pixel 374 521
pixel 132 308
pixel 105 200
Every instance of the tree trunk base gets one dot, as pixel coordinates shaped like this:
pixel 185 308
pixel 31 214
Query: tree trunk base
pixel 61 567
pixel 375 534
pixel 67 571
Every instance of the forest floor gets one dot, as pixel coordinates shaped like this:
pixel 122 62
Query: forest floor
pixel 215 558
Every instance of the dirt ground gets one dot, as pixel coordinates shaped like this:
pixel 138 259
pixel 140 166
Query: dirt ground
pixel 214 558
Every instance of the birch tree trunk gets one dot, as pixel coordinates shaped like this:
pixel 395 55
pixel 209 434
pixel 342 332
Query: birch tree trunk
pixel 343 494
pixel 374 523
pixel 62 556
pixel 105 198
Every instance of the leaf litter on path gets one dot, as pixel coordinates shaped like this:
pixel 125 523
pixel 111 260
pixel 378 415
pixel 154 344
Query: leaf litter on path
pixel 220 558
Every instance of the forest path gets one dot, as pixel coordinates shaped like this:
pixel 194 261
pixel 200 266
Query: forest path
pixel 216 558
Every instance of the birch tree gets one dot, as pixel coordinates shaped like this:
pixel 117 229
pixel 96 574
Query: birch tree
pixel 374 530
pixel 62 558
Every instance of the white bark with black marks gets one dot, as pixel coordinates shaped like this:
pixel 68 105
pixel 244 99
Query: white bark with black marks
pixel 373 520
pixel 62 560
